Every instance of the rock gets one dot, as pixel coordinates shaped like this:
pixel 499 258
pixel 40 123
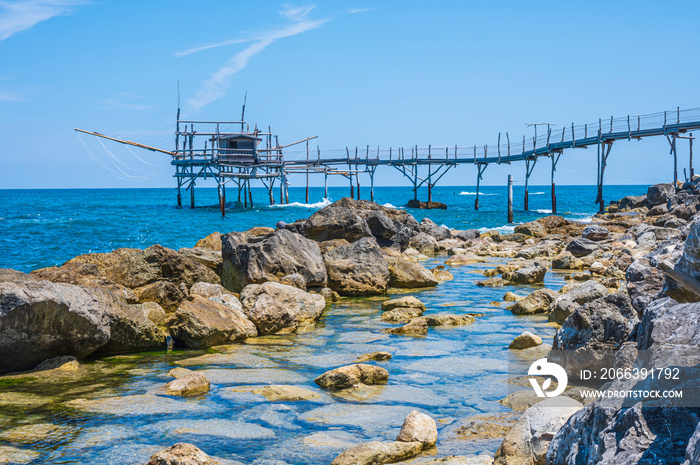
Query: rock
pixel 201 322
pixel 282 393
pixel 527 441
pixel 596 232
pixel 493 282
pixel 512 297
pixel 658 210
pixel 207 257
pixel 676 223
pixel 529 274
pixel 597 268
pixel 14 455
pixel 378 356
pixel 404 274
pixel 330 295
pixel 533 229
pixel 143 404
pixel 180 454
pixel 208 290
pixel 277 308
pixel 212 241
pixel 689 262
pixel 402 302
pixel 164 293
pixel 418 427
pixel 382 227
pixel 294 280
pixel 413 203
pixel 415 327
pixel 135 268
pixel 351 375
pixel 582 247
pixel 441 274
pixel 669 323
pixel 438 232
pixel 179 372
pixel 334 222
pixel 372 453
pixel 579 294
pixel 190 385
pixel 401 315
pixel 660 193
pixel 274 256
pixel 84 274
pixel 40 320
pixel 684 212
pixel 692 453
pixel 448 319
pixel 536 302
pixel 423 243
pixel 131 330
pixel 520 400
pixel 525 341
pixel 357 269
pixel 258 231
pixel 632 201
pixel 644 283
pixel 62 363
pixel 468 234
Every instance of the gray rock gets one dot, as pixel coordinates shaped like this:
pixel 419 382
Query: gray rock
pixel 566 261
pixel 644 283
pixel 333 222
pixel 206 256
pixel 529 274
pixel 660 193
pixel 658 210
pixel 277 308
pixel 582 247
pixel 132 330
pixel 404 274
pixel 351 375
pixel 424 243
pixel 579 294
pixel 357 269
pixel 468 234
pixel 596 232
pixel 418 427
pixel 536 302
pixel 533 229
pixel 438 232
pixel 632 201
pixel 274 256
pixel 667 322
pixel 692 453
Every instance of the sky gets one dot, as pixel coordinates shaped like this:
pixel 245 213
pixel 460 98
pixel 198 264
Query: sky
pixel 355 73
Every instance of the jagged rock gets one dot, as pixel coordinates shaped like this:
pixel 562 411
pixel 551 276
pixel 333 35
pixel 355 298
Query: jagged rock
pixel 84 274
pixel 660 193
pixel 684 212
pixel 415 327
pixel 131 330
pixel 596 232
pixel 402 302
pixel 208 290
pixel 404 274
pixel 692 453
pixel 201 322
pixel 423 243
pixel 207 257
pixel 441 274
pixel 277 308
pixel 190 385
pixel 358 268
pixel 644 283
pixel 377 356
pixel 135 268
pixel 418 427
pixel 413 203
pixel 401 315
pixel 380 225
pixel 536 302
pixel 468 234
pixel 351 375
pixel 533 229
pixel 180 454
pixel 525 340
pixel 373 453
pixel 438 232
pixel 212 241
pixel 294 280
pixel 448 319
pixel 566 304
pixel 164 293
pixel 334 222
pixel 667 322
pixel 676 223
pixel 493 282
pixel 582 247
pixel 274 256
pixel 527 441
pixel 631 202
pixel 566 261
pixel 529 274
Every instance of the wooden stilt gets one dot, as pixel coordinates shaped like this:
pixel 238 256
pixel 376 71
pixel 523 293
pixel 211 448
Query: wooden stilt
pixel 250 195
pixel 480 171
pixel 307 171
pixel 555 159
pixel 245 195
pixel 325 184
pixel 192 195
pixel 692 172
pixel 179 193
pixel 510 199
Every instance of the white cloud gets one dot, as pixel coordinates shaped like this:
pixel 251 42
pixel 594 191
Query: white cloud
pixel 215 87
pixel 354 11
pixel 17 16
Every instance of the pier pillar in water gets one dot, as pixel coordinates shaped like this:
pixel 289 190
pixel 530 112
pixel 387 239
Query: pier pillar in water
pixel 510 199
pixel 192 195
pixel 179 198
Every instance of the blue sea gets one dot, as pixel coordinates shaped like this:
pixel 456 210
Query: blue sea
pixel 40 228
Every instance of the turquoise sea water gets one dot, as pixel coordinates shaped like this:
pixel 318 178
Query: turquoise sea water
pixel 40 228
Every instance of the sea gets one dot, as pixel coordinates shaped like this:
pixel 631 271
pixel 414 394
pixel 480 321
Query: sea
pixel 113 410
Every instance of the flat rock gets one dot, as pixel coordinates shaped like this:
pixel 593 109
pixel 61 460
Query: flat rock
pixel 405 274
pixel 416 327
pixel 581 247
pixel 190 385
pixel 371 453
pixel 448 319
pixel 280 393
pixel 376 356
pixel 537 302
pixel 142 404
pixel 596 232
pixel 230 429
pixel 401 315
pixel 403 302
pixel 350 375
pixel 525 340
pixel 10 454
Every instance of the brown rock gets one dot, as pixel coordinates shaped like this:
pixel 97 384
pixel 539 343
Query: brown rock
pixel 351 375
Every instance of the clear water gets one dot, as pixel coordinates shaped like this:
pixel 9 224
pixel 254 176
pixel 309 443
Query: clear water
pixel 451 374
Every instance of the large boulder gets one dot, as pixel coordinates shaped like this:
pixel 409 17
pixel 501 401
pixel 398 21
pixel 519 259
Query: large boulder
pixel 333 222
pixel 579 294
pixel 278 308
pixel 84 274
pixel 270 258
pixel 41 320
pixel 429 227
pixel 536 302
pixel 581 247
pixel 135 268
pixel 201 322
pixel 351 375
pixel 423 243
pixel 181 454
pixel 596 232
pixel 566 261
pixel 206 256
pixel 527 441
pixel 132 329
pixel 212 242
pixel 632 201
pixel 358 268
pixel 164 293
pixel 660 193
pixel 529 274
pixel 403 302
pixel 409 275
pixel 666 322
pixel 644 283
pixel 533 228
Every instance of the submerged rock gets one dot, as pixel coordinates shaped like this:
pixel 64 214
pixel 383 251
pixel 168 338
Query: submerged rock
pixel 525 341
pixel 401 315
pixel 372 453
pixel 189 385
pixel 536 302
pixel 282 393
pixel 415 327
pixel 351 375
pixel 448 319
pixel 358 268
pixel 378 356
pixel 180 454
pixel 403 302
pixel 277 308
pixel 418 427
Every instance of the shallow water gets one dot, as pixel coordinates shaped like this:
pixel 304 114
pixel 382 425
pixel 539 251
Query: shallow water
pixel 451 374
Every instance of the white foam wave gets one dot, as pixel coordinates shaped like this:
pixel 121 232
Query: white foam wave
pixel 507 229
pixel 321 204
pixel 535 193
pixel 388 205
pixel 473 193
pixel 542 210
pixel 588 219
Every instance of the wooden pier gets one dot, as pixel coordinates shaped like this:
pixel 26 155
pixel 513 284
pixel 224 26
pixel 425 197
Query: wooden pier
pixel 229 153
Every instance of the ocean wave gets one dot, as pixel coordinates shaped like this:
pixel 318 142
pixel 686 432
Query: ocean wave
pixel 474 193
pixel 543 210
pixel 535 193
pixel 501 229
pixel 321 204
pixel 388 205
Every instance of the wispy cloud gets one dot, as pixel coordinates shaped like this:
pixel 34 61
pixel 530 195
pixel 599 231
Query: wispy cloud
pixel 125 100
pixel 354 11
pixel 9 96
pixel 202 47
pixel 17 16
pixel 215 87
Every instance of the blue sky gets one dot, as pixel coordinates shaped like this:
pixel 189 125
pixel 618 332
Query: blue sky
pixel 380 73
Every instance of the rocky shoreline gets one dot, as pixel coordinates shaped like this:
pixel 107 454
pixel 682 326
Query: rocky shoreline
pixel 632 286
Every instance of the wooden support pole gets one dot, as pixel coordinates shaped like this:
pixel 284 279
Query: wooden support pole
pixel 371 189
pixel 675 162
pixel 325 184
pixel 527 180
pixel 221 201
pixel 692 172
pixel 250 194
pixel 179 193
pixel 192 195
pixel 307 170
pixel 510 199
pixel 430 176
pixel 245 195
